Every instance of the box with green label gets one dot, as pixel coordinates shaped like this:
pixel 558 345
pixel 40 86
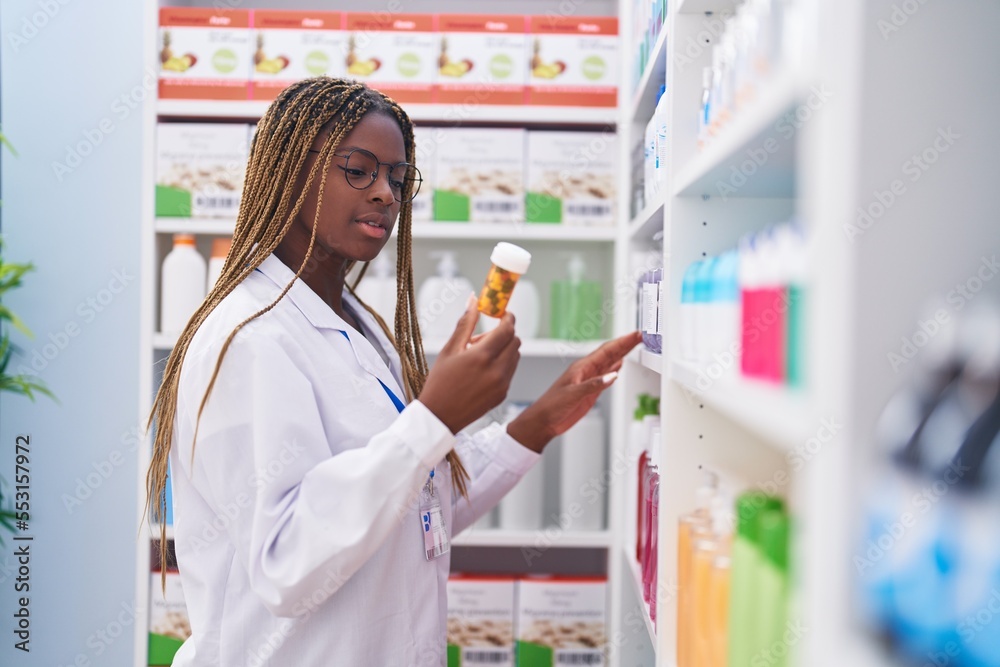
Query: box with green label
pixel 480 621
pixel 204 53
pixel 561 621
pixel 480 176
pixel 294 45
pixel 571 178
pixel 200 169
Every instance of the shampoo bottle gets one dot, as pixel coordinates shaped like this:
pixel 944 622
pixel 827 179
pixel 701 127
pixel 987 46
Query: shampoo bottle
pixel 583 464
pixel 521 508
pixel 442 297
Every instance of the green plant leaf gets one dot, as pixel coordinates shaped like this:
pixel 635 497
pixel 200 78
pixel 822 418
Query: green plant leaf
pixel 6 142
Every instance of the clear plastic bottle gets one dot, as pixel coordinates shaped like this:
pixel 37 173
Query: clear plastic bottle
pixel 691 528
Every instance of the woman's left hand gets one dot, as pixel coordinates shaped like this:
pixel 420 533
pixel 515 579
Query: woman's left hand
pixel 572 395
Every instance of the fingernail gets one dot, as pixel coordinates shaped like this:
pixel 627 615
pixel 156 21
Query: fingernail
pixel 609 377
pixel 471 302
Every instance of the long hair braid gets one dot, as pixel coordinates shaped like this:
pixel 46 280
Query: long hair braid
pixel 268 208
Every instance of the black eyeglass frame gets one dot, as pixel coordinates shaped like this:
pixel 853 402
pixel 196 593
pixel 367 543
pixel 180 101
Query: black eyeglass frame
pixel 418 181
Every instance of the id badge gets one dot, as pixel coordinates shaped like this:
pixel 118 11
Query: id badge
pixel 436 542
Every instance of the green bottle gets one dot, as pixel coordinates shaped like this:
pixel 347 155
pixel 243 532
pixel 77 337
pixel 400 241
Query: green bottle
pixel 772 607
pixel 576 305
pixel 744 641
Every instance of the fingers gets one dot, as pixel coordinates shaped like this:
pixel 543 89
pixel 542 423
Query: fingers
pixel 606 356
pixel 598 384
pixel 464 328
pixel 493 342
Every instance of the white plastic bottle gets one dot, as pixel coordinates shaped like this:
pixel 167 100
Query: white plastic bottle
pixel 526 307
pixel 220 250
pixel 521 508
pixel 378 287
pixel 182 284
pixel 442 298
pixel 582 490
pixel 660 115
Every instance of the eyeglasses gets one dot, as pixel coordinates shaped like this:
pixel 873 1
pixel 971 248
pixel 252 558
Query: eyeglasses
pixel 361 169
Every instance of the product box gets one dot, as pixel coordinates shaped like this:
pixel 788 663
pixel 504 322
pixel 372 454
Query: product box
pixel 168 618
pixel 290 46
pixel 426 140
pixel 480 176
pixel 200 169
pixel 480 621
pixel 483 59
pixel 561 621
pixel 574 61
pixel 571 178
pixel 395 53
pixel 204 53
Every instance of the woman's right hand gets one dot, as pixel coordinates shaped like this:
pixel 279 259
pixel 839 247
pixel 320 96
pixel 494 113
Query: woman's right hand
pixel 469 380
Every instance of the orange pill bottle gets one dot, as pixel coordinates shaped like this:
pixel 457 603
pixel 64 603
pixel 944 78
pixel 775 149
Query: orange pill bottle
pixel 510 262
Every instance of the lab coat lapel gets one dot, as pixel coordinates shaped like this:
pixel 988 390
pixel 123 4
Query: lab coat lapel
pixel 368 357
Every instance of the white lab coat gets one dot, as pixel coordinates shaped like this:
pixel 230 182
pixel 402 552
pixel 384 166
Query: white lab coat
pixel 296 523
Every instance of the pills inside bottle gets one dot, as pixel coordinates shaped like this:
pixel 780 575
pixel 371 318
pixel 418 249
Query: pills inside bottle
pixel 510 262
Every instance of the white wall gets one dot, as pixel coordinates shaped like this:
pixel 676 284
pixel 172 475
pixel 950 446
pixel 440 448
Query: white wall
pixel 65 66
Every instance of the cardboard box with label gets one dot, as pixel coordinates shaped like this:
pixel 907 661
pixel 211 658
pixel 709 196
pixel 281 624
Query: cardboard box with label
pixel 573 61
pixel 480 621
pixel 426 140
pixel 482 59
pixel 571 178
pixel 480 176
pixel 394 53
pixel 290 46
pixel 200 169
pixel 204 53
pixel 561 621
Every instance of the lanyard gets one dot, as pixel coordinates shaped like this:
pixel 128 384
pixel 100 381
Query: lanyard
pixel 392 396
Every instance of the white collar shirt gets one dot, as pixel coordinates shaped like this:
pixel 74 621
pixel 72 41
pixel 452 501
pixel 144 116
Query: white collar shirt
pixel 296 516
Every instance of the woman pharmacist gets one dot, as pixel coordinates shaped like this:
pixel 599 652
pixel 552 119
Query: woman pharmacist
pixel 290 412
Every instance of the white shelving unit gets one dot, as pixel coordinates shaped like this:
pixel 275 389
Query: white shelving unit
pixel 543 359
pixel 836 124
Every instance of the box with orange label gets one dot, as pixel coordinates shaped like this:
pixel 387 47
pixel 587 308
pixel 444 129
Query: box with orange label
pixel 204 53
pixel 394 53
pixel 482 59
pixel 291 45
pixel 574 61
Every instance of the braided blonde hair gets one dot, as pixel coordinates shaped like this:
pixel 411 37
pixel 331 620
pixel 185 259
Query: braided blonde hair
pixel 268 208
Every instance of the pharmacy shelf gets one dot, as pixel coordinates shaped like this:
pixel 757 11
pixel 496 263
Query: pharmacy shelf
pixel 425 230
pixel 636 583
pixel 647 359
pixel 649 220
pixel 538 348
pixel 543 538
pixel 520 231
pixel 215 226
pixel 703 6
pixel 439 114
pixel 644 98
pixel 783 417
pixel 754 155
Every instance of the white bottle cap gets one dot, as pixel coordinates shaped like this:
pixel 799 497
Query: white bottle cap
pixel 510 257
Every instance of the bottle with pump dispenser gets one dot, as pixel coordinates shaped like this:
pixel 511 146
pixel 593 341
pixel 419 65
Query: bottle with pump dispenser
pixel 442 298
pixel 182 284
pixel 378 288
pixel 576 304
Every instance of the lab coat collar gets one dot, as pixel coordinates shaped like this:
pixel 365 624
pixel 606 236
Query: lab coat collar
pixel 322 316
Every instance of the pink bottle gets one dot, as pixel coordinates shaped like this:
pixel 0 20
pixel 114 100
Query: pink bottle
pixel 654 549
pixel 652 484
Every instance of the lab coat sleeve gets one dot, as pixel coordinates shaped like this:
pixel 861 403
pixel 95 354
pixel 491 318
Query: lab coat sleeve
pixel 311 518
pixel 495 463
